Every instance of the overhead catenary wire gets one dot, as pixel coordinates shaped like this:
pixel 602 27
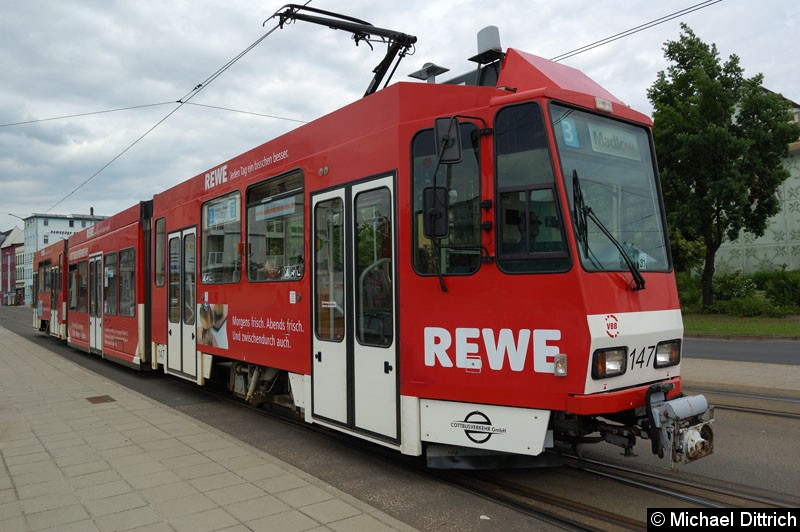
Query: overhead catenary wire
pixel 137 107
pixel 637 29
pixel 248 112
pixel 80 115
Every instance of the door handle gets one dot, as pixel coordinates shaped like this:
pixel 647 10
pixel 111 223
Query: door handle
pixel 192 335
pixel 318 356
pixel 170 332
pixel 387 368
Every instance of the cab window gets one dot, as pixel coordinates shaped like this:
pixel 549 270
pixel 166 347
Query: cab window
pixel 530 227
pixel 458 252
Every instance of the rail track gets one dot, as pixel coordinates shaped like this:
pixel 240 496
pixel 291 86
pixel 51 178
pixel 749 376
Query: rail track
pixel 691 490
pixel 752 403
pixel 532 491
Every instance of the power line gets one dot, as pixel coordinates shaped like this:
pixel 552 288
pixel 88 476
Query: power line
pixel 85 114
pixel 637 29
pixel 249 113
pixel 134 107
pixel 183 101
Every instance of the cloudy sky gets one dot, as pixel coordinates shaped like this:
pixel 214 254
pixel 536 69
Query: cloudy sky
pixel 70 57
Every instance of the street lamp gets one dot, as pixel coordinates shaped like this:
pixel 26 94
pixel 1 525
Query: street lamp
pixel 14 215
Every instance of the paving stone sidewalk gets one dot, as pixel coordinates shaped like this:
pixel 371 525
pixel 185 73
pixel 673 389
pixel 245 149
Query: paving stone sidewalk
pixel 82 453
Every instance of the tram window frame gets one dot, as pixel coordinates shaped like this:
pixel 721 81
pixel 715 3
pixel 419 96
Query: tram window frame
pixel 53 277
pixel 329 268
pixel 374 291
pixel 39 278
pixel 209 273
pixel 610 185
pixel 460 253
pixel 287 193
pixel 159 253
pixel 72 294
pixel 79 286
pixel 110 293
pixel 527 196
pixel 127 283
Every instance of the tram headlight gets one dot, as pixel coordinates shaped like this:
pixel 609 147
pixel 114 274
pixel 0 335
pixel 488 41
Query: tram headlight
pixel 609 362
pixel 668 353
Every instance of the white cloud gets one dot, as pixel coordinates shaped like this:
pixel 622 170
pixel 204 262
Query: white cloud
pixel 68 57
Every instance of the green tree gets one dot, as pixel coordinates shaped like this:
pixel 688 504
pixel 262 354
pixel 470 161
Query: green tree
pixel 720 139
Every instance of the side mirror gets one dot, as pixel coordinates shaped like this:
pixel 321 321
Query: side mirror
pixel 448 140
pixel 435 223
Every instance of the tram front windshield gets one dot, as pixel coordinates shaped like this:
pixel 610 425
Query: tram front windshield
pixel 611 165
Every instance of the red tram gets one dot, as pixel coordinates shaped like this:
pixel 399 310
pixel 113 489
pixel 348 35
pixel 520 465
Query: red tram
pixel 451 269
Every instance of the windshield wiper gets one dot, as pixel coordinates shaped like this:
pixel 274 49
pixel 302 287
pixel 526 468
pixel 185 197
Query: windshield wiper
pixel 581 211
pixel 578 214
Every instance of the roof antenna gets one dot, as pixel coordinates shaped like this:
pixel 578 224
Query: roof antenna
pixel 428 72
pixel 489 51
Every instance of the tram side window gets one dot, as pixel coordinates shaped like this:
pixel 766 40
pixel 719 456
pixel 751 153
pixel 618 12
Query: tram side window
pixel 530 226
pixel 55 277
pixel 41 283
pixel 78 287
pixel 110 282
pixel 222 232
pixel 72 294
pixel 329 270
pixel 159 267
pixel 127 283
pixel 373 264
pixel 275 229
pixel 459 252
pixel 48 280
pixel 37 279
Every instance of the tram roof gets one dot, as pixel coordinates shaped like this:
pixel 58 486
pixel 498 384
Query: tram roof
pixel 522 76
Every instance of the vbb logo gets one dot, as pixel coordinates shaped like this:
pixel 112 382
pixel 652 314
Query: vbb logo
pixel 612 326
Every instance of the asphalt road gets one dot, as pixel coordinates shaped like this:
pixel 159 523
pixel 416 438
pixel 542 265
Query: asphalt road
pixel 763 351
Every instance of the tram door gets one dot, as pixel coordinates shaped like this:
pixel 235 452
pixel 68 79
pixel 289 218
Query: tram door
pixel 96 303
pixel 354 365
pixel 182 304
pixel 55 292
